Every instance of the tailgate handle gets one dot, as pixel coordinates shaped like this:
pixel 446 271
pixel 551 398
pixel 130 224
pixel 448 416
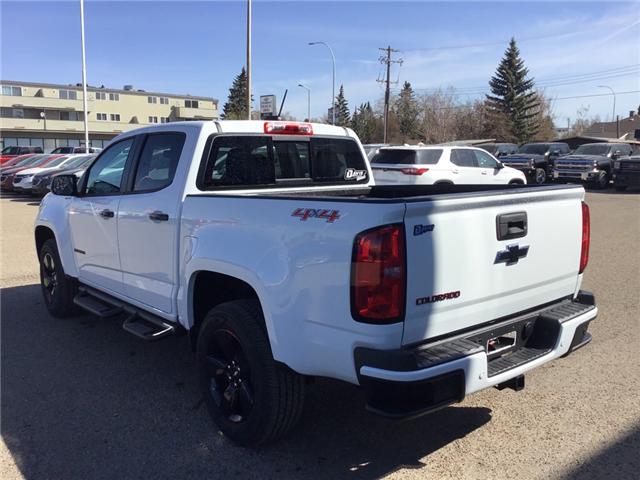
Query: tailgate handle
pixel 511 225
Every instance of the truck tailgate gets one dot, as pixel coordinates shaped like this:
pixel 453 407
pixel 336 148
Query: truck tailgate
pixel 459 274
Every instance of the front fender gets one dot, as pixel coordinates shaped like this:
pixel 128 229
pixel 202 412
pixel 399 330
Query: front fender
pixel 53 214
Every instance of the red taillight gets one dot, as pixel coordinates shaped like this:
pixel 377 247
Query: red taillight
pixel 378 275
pixel 586 237
pixel 414 171
pixel 284 128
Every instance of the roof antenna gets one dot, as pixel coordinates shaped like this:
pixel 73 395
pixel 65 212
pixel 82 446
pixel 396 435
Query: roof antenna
pixel 284 97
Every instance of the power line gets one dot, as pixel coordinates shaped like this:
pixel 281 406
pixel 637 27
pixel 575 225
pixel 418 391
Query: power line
pixel 454 107
pixel 501 42
pixel 558 81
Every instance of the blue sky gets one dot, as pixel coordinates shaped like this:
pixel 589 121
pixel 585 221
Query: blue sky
pixel 198 47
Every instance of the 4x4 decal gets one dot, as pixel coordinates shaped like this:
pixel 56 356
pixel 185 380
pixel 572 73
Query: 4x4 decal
pixel 306 213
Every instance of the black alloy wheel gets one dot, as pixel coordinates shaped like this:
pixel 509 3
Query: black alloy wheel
pixel 229 377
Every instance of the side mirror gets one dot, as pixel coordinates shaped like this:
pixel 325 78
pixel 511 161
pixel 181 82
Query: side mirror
pixel 555 153
pixel 65 185
pixel 499 165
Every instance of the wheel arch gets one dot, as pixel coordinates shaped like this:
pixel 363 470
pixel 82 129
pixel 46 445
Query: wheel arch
pixel 42 234
pixel 208 289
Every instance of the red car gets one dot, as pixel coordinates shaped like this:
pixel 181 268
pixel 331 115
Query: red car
pixel 6 175
pixel 9 152
pixel 14 161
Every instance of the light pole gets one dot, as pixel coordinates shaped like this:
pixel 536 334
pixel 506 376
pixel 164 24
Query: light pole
pixel 249 59
pixel 84 81
pixel 613 117
pixel 333 81
pixel 308 100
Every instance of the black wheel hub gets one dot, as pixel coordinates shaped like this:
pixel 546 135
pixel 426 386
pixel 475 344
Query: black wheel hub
pixel 49 275
pixel 229 377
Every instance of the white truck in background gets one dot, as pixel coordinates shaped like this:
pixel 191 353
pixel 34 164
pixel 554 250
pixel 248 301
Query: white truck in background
pixel 269 244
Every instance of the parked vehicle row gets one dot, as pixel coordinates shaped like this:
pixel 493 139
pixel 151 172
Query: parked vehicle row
pixel 32 174
pixel 590 164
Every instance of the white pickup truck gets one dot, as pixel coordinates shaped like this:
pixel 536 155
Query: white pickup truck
pixel 268 244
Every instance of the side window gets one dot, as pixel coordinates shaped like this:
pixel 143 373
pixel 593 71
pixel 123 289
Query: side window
pixel 158 161
pixel 105 175
pixel 485 160
pixel 463 157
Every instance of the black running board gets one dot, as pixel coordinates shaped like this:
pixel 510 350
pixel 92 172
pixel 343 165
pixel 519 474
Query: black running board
pixel 138 322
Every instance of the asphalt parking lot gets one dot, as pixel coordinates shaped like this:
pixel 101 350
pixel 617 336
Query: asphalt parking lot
pixel 82 399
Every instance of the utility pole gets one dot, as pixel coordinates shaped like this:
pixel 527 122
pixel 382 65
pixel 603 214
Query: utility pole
pixel 249 12
pixel 386 59
pixel 85 108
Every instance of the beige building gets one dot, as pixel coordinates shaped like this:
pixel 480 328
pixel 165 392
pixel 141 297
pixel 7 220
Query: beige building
pixel 51 116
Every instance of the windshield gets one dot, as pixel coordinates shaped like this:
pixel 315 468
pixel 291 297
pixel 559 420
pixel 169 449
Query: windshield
pixel 57 161
pixel 535 148
pixel 62 150
pixel 593 149
pixel 489 147
pixel 77 162
pixel 407 157
pixel 10 150
pixel 29 161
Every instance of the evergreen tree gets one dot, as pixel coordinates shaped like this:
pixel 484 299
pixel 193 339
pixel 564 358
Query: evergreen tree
pixel 407 111
pixel 363 123
pixel 236 106
pixel 342 114
pixel 513 95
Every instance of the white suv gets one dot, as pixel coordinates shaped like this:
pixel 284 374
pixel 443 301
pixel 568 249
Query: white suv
pixel 439 164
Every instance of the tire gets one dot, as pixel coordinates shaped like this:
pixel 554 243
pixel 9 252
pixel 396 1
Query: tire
pixel 602 182
pixel 252 399
pixel 540 176
pixel 620 188
pixel 58 289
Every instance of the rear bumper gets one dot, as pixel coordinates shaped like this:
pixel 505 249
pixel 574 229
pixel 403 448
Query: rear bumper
pixel 422 379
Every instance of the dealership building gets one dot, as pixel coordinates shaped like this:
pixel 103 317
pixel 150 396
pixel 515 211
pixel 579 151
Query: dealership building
pixel 50 116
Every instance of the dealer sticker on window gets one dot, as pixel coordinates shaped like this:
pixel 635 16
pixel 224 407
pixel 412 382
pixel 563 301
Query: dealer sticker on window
pixel 353 174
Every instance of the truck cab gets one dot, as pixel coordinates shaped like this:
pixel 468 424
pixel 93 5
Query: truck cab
pixel 591 163
pixel 536 160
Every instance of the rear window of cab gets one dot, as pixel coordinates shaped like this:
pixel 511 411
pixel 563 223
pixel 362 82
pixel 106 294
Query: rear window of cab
pixel 237 161
pixel 407 157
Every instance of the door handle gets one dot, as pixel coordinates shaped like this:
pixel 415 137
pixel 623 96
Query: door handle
pixel 483 172
pixel 455 171
pixel 159 216
pixel 106 213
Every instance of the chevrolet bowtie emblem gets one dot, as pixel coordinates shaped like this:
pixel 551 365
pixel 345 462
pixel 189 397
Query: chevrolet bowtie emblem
pixel 512 254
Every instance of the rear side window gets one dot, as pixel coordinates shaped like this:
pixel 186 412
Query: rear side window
pixel 407 157
pixel 463 158
pixel 158 161
pixel 261 160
